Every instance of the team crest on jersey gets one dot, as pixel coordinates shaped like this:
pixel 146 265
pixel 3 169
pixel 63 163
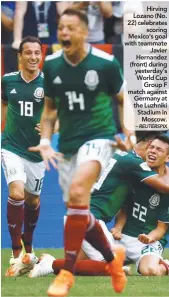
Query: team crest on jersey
pixel 39 94
pixel 154 200
pixel 91 80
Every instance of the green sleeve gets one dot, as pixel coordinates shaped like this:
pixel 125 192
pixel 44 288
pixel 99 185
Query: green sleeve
pixel 115 77
pixel 48 86
pixel 141 170
pixel 133 167
pixel 3 90
pixel 128 202
pixel 163 215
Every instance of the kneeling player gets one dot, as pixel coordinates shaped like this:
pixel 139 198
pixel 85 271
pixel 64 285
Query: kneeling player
pixel 132 166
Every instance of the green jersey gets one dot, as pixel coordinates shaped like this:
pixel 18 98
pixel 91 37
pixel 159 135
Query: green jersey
pixel 83 96
pixel 144 209
pixel 112 189
pixel 25 104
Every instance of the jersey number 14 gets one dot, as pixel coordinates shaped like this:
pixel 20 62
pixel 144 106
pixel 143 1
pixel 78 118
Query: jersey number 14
pixel 74 99
pixel 26 108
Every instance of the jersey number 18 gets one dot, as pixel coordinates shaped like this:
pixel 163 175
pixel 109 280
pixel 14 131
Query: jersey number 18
pixel 26 108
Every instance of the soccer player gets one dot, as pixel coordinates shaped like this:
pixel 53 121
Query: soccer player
pixel 123 171
pixel 22 105
pixel 129 173
pixel 146 219
pixel 112 206
pixel 79 82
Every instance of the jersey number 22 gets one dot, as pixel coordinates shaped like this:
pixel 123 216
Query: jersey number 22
pixel 139 212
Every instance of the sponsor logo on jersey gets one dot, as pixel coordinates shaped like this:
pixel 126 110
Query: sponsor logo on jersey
pixel 154 201
pixel 39 94
pixel 91 80
pixel 13 91
pixel 57 80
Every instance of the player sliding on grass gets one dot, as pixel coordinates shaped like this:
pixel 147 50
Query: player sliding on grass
pixel 108 197
pixel 142 224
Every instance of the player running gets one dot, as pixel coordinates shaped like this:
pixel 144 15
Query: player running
pixel 79 83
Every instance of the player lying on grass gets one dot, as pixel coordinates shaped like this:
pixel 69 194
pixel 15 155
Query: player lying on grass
pixel 113 188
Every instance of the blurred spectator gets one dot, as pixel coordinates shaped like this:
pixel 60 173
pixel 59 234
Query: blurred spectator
pixel 96 11
pixel 7 15
pixel 114 25
pixel 37 18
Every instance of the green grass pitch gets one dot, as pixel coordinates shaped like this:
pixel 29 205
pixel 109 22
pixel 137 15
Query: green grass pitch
pixel 85 286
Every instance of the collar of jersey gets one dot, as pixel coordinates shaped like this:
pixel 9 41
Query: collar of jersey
pixel 88 47
pixel 134 152
pixel 29 80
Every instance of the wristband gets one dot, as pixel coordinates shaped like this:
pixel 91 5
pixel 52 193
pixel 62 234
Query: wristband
pixel 45 141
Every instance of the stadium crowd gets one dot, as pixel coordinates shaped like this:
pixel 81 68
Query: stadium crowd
pixel 22 18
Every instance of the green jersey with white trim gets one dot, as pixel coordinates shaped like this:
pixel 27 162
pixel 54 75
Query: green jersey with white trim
pixel 144 209
pixel 83 96
pixel 111 190
pixel 25 105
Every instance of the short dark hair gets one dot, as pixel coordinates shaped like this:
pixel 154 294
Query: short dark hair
pixel 80 14
pixel 145 135
pixel 163 138
pixel 29 38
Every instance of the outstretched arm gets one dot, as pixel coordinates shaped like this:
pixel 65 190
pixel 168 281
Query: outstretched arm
pixel 48 118
pixel 157 183
pixel 21 7
pixel 106 8
pixel 7 22
pixel 55 130
pixel 47 123
pixel 80 5
pixel 61 6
